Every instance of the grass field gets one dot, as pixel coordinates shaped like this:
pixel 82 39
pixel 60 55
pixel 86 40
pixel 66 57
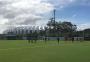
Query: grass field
pixel 21 51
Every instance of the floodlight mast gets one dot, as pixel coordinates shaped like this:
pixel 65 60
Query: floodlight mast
pixel 54 16
pixel 54 20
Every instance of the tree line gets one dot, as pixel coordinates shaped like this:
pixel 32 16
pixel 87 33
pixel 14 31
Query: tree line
pixel 64 29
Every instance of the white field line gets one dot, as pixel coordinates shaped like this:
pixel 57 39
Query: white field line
pixel 30 47
pixel 21 48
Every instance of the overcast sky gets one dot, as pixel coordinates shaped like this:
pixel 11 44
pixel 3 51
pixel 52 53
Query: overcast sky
pixel 38 12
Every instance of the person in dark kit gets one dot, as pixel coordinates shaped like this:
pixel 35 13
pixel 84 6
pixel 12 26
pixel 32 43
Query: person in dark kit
pixel 58 40
pixel 72 39
pixel 28 40
pixel 32 39
pixel 45 39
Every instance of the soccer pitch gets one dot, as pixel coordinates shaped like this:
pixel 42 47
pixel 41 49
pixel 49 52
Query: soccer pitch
pixel 21 51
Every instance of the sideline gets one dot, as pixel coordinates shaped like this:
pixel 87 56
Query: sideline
pixel 43 46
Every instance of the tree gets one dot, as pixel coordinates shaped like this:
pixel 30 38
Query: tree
pixel 86 34
pixel 65 29
pixel 68 29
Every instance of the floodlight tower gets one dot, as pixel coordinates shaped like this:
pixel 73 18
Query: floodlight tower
pixel 54 20
pixel 54 15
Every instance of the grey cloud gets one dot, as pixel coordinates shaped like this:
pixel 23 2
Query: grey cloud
pixel 11 13
pixel 23 12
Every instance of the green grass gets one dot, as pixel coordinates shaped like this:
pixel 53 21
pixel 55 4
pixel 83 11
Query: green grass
pixel 21 51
